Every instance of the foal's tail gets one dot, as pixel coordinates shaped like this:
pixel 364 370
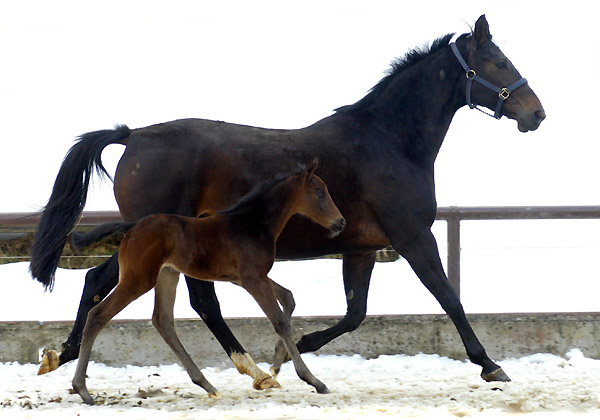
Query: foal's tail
pixel 68 198
pixel 82 240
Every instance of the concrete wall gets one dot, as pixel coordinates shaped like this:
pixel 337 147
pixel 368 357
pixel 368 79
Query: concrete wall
pixel 137 343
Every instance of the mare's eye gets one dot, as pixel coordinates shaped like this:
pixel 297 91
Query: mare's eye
pixel 320 194
pixel 501 65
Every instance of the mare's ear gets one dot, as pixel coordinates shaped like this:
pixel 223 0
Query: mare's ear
pixel 311 167
pixel 481 34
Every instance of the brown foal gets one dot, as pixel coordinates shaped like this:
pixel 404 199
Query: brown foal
pixel 235 245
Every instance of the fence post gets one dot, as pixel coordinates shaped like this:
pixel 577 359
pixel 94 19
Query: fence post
pixel 454 250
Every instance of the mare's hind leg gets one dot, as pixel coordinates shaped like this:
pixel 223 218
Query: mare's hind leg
pixel 262 291
pixel 162 319
pixel 204 301
pixel 97 320
pixel 99 281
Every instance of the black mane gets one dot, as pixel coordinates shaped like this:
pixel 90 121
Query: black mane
pixel 256 193
pixel 398 66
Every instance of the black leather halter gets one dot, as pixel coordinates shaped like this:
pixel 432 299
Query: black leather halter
pixel 503 93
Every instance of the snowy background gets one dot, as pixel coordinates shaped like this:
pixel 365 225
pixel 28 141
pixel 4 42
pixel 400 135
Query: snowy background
pixel 71 67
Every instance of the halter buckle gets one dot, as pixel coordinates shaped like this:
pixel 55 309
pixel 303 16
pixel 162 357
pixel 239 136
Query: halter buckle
pixel 504 94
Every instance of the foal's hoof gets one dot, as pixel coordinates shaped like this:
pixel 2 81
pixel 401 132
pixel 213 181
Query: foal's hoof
pixel 49 362
pixel 265 383
pixel 215 395
pixel 89 401
pixel 275 370
pixel 496 375
pixel 84 394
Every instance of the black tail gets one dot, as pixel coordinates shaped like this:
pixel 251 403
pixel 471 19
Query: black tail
pixel 67 201
pixel 82 240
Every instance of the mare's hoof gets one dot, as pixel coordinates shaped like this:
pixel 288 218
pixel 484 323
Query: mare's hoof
pixel 266 383
pixel 322 389
pixel 49 362
pixel 214 395
pixel 496 375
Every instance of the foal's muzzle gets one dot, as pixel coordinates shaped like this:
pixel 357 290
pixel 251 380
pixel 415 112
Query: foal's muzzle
pixel 337 227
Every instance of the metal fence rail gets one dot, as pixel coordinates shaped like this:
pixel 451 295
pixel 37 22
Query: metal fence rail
pixel 454 215
pixel 12 224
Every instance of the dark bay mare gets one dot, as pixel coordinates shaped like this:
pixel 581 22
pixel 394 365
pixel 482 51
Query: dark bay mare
pixel 235 245
pixel 377 157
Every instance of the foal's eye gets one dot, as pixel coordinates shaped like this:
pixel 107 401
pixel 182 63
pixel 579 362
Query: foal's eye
pixel 320 194
pixel 501 65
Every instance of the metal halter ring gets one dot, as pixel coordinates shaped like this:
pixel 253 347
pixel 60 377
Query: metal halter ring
pixel 504 94
pixel 471 74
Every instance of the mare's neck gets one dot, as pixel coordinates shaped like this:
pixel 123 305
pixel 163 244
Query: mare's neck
pixel 419 103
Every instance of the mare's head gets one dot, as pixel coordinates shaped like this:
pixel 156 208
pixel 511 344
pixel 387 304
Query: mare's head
pixel 486 62
pixel 315 202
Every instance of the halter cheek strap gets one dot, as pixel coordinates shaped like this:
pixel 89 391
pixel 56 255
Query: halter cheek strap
pixel 503 93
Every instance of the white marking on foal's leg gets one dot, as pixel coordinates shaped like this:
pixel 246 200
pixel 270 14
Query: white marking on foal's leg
pixel 245 365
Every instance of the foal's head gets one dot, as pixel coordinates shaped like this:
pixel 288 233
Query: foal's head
pixel 315 202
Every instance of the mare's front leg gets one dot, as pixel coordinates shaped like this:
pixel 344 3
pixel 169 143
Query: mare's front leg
pixel 423 256
pixel 204 301
pixel 262 291
pixel 97 320
pixel 163 321
pixel 357 268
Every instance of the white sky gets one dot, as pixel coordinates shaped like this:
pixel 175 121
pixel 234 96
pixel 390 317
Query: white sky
pixel 69 67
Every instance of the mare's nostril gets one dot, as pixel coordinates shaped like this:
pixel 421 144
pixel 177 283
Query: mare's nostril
pixel 540 115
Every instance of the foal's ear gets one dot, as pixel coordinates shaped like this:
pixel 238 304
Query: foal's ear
pixel 481 33
pixel 311 167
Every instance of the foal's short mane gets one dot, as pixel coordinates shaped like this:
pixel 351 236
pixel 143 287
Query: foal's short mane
pixel 398 65
pixel 257 192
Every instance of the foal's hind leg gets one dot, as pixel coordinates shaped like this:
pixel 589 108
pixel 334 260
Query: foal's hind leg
pixel 262 291
pixel 162 319
pixel 97 320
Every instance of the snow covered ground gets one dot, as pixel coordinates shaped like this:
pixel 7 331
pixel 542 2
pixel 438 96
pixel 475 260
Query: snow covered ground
pixel 422 386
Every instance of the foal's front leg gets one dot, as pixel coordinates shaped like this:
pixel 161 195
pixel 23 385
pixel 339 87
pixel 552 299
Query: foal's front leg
pixel 261 289
pixel 288 304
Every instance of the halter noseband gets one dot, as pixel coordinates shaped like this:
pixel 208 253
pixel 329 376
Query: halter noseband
pixel 503 93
